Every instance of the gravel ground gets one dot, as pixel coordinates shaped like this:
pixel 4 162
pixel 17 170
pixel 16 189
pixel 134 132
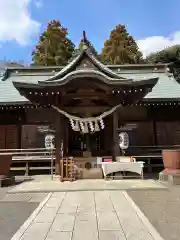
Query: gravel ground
pixel 12 216
pixel 15 209
pixel 162 208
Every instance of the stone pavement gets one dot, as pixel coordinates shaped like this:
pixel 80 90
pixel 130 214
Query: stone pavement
pixel 45 184
pixel 90 215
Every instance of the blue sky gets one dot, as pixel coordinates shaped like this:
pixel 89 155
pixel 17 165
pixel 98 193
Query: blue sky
pixel 154 23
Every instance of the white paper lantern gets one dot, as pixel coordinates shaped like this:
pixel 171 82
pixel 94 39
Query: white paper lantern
pixel 123 140
pixel 49 141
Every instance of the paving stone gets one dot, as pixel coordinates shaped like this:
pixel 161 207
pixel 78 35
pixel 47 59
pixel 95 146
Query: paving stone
pixel 86 203
pixel 111 235
pixel 37 197
pixel 55 201
pixel 85 230
pixel 46 215
pixel 70 203
pixel 58 195
pixel 108 221
pixel 86 185
pixel 59 235
pixel 89 217
pixel 63 222
pixel 131 224
pixel 103 202
pixel 36 231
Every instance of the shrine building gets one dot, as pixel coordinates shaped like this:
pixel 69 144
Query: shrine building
pixel 87 104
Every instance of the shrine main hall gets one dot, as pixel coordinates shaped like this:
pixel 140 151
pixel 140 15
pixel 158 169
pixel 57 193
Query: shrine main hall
pixel 86 105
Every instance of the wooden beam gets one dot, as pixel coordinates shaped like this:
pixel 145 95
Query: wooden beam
pixel 115 136
pixel 58 140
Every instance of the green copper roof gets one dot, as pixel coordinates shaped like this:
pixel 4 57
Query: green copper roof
pixel 167 88
pixel 9 94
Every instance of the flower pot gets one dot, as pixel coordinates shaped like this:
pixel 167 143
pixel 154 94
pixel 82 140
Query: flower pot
pixel 171 160
pixel 5 163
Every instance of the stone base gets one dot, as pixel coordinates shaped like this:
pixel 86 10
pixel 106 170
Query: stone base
pixel 7 181
pixel 171 178
pixel 93 173
pixel 163 176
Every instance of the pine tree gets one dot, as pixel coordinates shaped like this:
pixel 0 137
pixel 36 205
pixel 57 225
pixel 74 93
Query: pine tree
pixel 54 47
pixel 120 48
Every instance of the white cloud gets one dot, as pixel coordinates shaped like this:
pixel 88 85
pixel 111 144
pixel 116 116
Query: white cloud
pixel 157 43
pixel 16 22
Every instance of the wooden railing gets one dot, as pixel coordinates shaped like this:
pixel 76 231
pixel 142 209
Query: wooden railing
pixel 25 158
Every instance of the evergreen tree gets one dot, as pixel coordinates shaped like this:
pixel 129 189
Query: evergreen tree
pixel 167 55
pixel 120 48
pixel 54 47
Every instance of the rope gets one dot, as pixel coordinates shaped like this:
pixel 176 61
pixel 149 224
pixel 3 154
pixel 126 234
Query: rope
pixel 90 119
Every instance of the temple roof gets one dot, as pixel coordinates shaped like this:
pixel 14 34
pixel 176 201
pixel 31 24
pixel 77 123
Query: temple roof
pixel 85 64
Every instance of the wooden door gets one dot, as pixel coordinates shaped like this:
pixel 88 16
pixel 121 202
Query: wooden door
pixel 12 138
pixel 2 137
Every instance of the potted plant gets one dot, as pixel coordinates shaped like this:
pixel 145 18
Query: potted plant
pixel 171 160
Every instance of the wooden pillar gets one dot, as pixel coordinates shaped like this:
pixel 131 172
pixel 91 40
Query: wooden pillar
pixel 66 136
pixel 58 141
pixel 154 133
pixel 115 136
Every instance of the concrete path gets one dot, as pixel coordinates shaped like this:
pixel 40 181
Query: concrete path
pixel 99 215
pixel 45 184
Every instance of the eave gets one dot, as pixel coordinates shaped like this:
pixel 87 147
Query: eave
pixel 91 74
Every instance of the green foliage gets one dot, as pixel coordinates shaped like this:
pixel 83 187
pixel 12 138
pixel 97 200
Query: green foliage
pixel 54 47
pixel 170 54
pixel 121 48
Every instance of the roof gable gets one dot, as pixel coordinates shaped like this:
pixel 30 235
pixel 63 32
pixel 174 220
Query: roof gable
pixel 85 61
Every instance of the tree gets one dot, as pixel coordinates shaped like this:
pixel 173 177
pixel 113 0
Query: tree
pixel 54 47
pixel 167 55
pixel 120 48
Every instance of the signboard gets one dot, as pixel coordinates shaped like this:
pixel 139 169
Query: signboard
pixel 128 127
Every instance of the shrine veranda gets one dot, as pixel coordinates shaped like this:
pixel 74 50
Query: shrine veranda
pixel 87 104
